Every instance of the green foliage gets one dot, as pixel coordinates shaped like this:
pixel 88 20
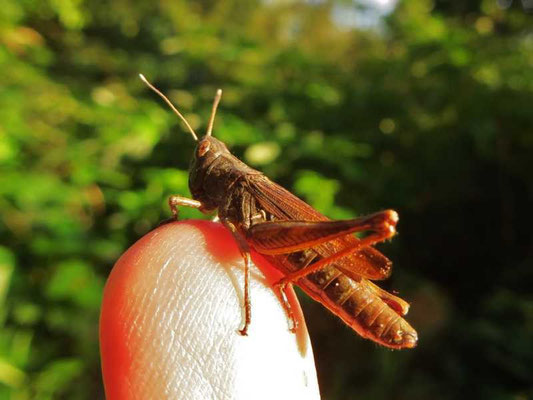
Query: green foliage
pixel 429 114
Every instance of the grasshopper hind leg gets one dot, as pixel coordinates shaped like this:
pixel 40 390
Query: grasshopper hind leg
pixel 291 319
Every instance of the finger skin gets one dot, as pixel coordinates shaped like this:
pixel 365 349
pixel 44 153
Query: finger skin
pixel 170 314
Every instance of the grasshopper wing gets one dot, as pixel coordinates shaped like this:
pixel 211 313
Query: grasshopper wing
pixel 367 262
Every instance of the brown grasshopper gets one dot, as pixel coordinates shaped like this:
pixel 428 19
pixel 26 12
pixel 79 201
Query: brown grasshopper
pixel 319 255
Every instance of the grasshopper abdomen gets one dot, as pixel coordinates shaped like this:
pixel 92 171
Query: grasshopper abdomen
pixel 360 308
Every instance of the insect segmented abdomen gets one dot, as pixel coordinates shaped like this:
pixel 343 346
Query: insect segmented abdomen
pixel 359 307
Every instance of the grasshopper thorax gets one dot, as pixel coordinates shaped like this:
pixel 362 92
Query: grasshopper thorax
pixel 205 161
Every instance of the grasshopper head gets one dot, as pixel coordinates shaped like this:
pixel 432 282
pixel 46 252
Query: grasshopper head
pixel 206 175
pixel 203 164
pixel 204 167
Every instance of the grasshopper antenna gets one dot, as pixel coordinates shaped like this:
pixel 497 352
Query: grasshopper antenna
pixel 195 137
pixel 213 112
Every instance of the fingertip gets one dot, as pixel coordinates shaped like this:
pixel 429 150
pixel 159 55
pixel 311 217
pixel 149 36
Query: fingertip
pixel 169 321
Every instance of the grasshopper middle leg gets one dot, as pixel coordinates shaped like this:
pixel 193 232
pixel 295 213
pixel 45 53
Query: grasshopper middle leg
pixel 245 251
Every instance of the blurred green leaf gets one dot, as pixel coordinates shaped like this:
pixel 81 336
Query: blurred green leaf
pixel 316 189
pixel 75 280
pixel 11 375
pixel 56 376
pixel 262 153
pixel 7 264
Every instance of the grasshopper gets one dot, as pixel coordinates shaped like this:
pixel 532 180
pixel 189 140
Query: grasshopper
pixel 319 255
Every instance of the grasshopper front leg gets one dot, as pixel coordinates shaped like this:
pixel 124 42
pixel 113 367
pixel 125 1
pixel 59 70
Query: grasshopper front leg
pixel 175 201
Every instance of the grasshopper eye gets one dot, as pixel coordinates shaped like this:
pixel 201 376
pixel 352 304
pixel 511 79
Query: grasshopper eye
pixel 203 148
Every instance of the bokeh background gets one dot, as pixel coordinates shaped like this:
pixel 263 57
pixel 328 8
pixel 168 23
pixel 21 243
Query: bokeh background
pixel 425 107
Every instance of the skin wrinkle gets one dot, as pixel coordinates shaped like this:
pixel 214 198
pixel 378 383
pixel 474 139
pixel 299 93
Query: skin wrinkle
pixel 190 301
pixel 192 354
pixel 142 320
pixel 134 327
pixel 192 374
pixel 168 356
pixel 139 319
pixel 183 353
